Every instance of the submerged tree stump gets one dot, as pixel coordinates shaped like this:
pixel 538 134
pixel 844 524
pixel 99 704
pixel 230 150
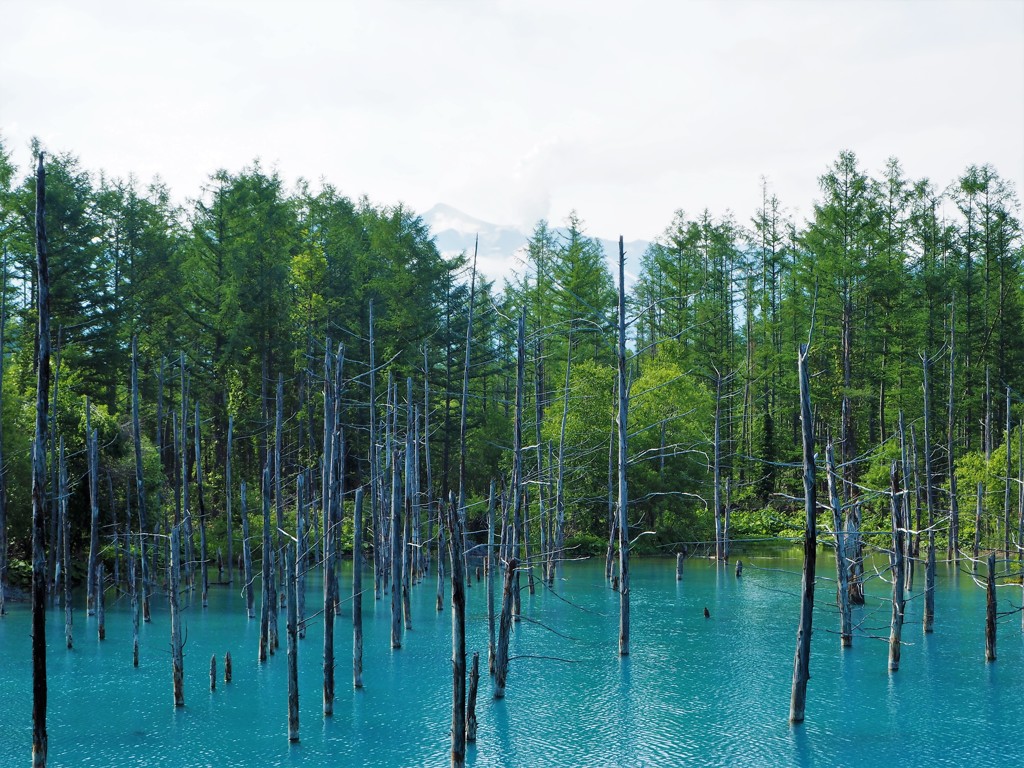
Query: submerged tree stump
pixel 990 609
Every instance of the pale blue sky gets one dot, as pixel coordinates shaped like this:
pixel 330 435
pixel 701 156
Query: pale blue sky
pixel 513 110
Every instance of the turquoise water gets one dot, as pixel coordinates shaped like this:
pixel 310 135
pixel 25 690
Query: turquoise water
pixel 695 691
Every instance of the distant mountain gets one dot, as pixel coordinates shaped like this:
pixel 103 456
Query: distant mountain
pixel 502 248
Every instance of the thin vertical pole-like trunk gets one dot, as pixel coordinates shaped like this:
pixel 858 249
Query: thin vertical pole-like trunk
pixel 94 509
pixel 177 659
pixel 3 467
pixel 898 578
pixel 978 507
pixel 560 488
pixel 204 565
pixel 357 591
pixel 623 407
pixel 908 538
pixel 717 468
pixel 612 521
pixel 453 521
pixel 428 496
pixel 65 522
pixel 408 508
pixel 292 628
pixel 140 483
pixel 300 552
pixel 491 564
pixel 375 508
pixel 266 575
pixel 463 414
pixel 1009 480
pixel 227 499
pixel 134 593
pixel 929 494
pixel 396 551
pixel 954 512
pixel 517 457
pixel 802 657
pixel 990 609
pixel 186 512
pixel 842 569
pixel 247 554
pixel 101 603
pixel 39 690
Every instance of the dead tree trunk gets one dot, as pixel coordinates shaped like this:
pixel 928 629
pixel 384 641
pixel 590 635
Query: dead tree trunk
pixel 134 592
pixel 39 690
pixel 140 483
pixel 623 438
pixel 3 469
pixel 517 457
pixel 227 500
pixel 975 551
pixel 453 522
pixel 65 523
pixel 177 659
pixel 842 569
pixel 929 494
pixel 802 657
pixel 717 467
pixel 474 683
pixel 504 629
pixel 954 512
pixel 204 565
pixel 490 580
pixel 990 609
pixel 908 539
pixel 292 628
pixel 94 509
pixel 612 524
pixel 247 554
pixel 1009 481
pixel 267 575
pixel 898 577
pixel 375 505
pixel 357 591
pixel 101 603
pixel 396 552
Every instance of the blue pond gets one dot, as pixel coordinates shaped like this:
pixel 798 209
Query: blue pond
pixel 695 691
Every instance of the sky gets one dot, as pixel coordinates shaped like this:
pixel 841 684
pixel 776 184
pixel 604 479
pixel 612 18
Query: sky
pixel 514 111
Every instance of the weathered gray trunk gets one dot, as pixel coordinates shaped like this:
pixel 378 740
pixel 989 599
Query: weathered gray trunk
pixel 3 466
pixel 375 506
pixel 717 470
pixel 623 405
pixel 227 500
pixel 898 552
pixel 266 575
pixel 929 494
pixel 490 580
pixel 842 568
pixel 140 482
pixel 453 522
pixel 612 526
pixel 504 630
pixel 1009 480
pixel 177 659
pixel 396 552
pixel 247 554
pixel 517 458
pixel 94 508
pixel 101 603
pixel 134 594
pixel 990 609
pixel 908 539
pixel 954 512
pixel 679 566
pixel 474 683
pixel 426 453
pixel 292 628
pixel 463 412
pixel 204 560
pixel 357 591
pixel 300 554
pixel 978 507
pixel 65 522
pixel 213 672
pixel 39 689
pixel 802 657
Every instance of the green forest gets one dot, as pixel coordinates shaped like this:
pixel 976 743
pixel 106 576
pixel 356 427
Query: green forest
pixel 908 290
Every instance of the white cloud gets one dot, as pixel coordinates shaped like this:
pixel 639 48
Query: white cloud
pixel 516 110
